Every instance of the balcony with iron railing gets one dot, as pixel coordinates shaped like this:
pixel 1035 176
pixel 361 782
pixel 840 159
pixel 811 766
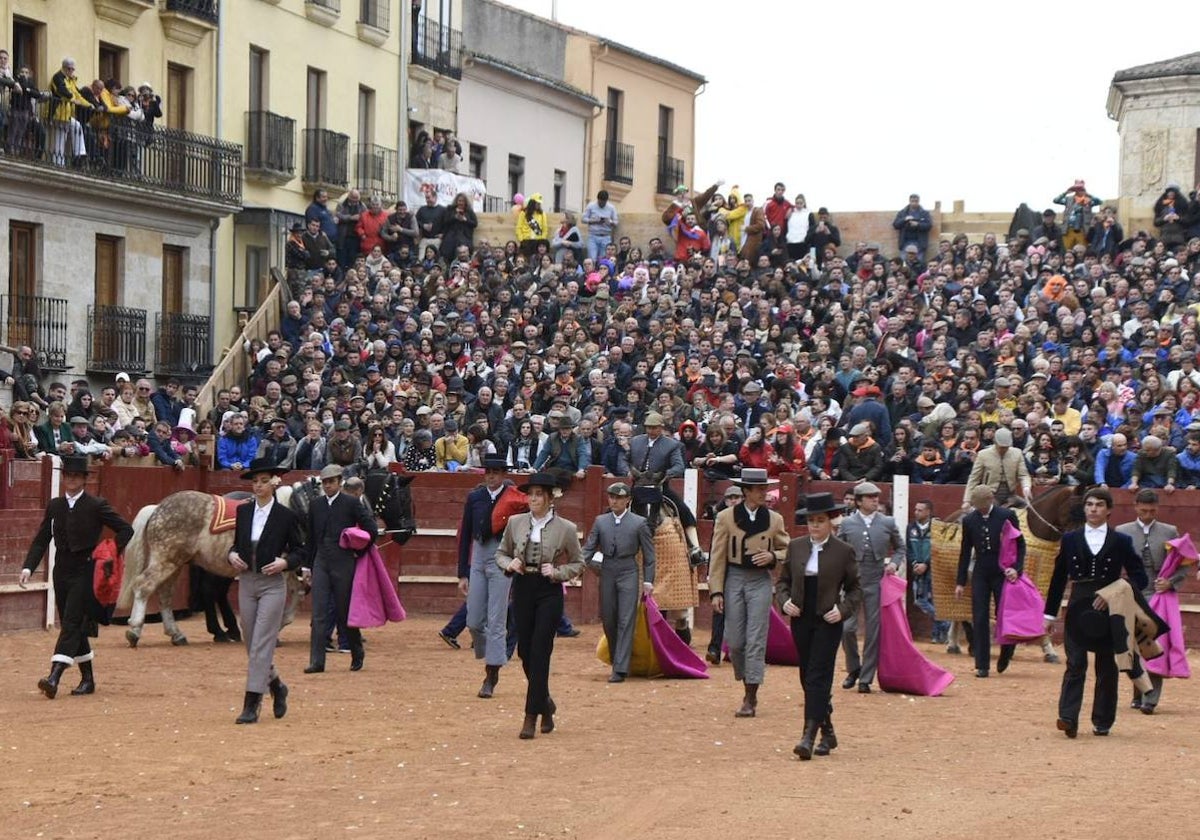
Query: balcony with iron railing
pixel 40 323
pixel 116 339
pixel 373 21
pixel 375 170
pixel 78 143
pixel 205 10
pixel 325 12
pixel 189 22
pixel 184 346
pixel 326 158
pixel 437 47
pixel 618 162
pixel 670 174
pixel 270 146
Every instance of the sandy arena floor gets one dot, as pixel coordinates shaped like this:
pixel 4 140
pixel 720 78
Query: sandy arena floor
pixel 405 749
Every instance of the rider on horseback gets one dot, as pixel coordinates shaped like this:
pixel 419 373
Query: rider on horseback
pixel 654 459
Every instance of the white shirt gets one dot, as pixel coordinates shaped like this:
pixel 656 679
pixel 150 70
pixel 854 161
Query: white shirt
pixel 867 520
pixel 1095 537
pixel 71 500
pixel 617 519
pixel 330 499
pixel 751 513
pixel 536 526
pixel 811 567
pixel 496 495
pixel 261 512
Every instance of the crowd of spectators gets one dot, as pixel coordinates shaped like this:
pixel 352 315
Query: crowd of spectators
pixel 758 336
pixel 102 126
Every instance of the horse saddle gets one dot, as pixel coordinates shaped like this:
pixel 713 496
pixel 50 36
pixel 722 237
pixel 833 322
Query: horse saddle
pixel 224 516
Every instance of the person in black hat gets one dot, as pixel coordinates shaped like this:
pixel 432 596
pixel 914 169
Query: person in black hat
pixel 75 522
pixel 331 567
pixel 480 580
pixel 267 543
pixel 817 588
pixel 1091 558
pixel 541 549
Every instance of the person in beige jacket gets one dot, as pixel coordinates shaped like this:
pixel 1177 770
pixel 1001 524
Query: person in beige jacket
pixel 1001 467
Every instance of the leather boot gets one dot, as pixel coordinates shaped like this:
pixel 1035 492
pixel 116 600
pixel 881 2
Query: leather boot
pixel 492 676
pixel 250 708
pixel 279 695
pixel 749 702
pixel 683 631
pixel 804 749
pixel 529 727
pixel 87 685
pixel 548 716
pixel 828 740
pixel 49 684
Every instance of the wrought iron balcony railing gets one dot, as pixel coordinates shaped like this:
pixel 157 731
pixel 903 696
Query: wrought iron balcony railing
pixel 116 339
pixel 326 157
pixel 206 10
pixel 670 174
pixel 41 323
pixel 270 143
pixel 88 143
pixel 437 47
pixel 618 162
pixel 184 346
pixel 375 170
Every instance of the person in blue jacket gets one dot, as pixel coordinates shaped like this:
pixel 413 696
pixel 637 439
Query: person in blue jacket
pixel 237 447
pixel 1114 463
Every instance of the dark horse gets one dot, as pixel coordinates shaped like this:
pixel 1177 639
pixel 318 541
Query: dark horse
pixel 175 532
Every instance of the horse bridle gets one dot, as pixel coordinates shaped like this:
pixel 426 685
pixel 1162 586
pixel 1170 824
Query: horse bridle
pixel 1033 510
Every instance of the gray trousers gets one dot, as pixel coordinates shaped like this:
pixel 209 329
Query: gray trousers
pixel 867 665
pixel 618 608
pixel 748 593
pixel 261 599
pixel 487 604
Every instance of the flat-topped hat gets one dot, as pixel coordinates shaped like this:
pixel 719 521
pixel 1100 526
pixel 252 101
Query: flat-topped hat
pixel 79 420
pixel 652 419
pixel 547 480
pixel 331 471
pixel 819 503
pixel 755 477
pixel 618 488
pixel 261 466
pixel 76 464
pixel 495 462
pixel 866 488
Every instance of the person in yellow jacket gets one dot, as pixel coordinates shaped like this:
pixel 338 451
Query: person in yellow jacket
pixel 452 448
pixel 533 228
pixel 735 216
pixel 64 87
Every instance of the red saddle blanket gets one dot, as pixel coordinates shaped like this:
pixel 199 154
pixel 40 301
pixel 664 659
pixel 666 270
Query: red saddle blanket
pixel 224 514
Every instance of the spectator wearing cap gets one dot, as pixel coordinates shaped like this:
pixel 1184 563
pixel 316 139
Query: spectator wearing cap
pixel 1001 467
pixel 880 550
pixel 751 406
pixel 860 458
pixel 1114 463
pixel 238 444
pixel 870 410
pixel 1050 230
pixel 278 448
pixel 343 447
pixel 564 450
pixel 1155 466
pixel 84 443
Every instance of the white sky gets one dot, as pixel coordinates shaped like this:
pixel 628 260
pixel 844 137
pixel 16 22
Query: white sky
pixel 862 103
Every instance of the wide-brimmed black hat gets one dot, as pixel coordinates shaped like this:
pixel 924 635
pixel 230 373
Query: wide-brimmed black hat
pixel 262 465
pixel 75 464
pixel 1090 628
pixel 542 479
pixel 495 462
pixel 819 503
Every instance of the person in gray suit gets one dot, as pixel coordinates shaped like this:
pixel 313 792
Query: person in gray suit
pixel 879 546
pixel 1150 541
pixel 611 549
pixel 656 458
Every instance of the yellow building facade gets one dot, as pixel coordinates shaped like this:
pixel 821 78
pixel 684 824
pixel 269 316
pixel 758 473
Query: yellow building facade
pixel 642 144
pixel 313 91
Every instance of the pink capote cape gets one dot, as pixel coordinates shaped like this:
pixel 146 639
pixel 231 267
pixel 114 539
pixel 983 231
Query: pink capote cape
pixel 373 598
pixel 781 648
pixel 657 649
pixel 1019 618
pixel 1173 662
pixel 901 666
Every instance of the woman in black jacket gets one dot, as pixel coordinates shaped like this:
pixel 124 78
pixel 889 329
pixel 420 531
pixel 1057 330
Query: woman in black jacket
pixel 459 229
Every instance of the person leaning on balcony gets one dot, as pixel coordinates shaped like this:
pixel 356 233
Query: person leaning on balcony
pixel 160 446
pixel 64 86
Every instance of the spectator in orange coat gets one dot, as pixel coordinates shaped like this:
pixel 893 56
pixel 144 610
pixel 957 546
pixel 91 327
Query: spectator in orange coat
pixel 370 227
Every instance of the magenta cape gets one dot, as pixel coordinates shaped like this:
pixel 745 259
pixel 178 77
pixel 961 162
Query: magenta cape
pixel 1019 617
pixel 901 666
pixel 1173 662
pixel 675 658
pixel 781 648
pixel 373 598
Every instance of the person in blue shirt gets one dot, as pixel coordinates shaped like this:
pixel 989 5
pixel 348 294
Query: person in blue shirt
pixel 1114 463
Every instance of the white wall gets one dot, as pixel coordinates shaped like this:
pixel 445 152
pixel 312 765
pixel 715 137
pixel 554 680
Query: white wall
pixel 510 115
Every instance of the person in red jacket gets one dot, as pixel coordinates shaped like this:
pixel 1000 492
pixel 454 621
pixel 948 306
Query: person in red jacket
pixel 690 238
pixel 778 208
pixel 370 227
pixel 787 454
pixel 756 453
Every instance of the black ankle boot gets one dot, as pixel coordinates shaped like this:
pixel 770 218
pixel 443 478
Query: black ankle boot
pixel 49 684
pixel 279 694
pixel 88 684
pixel 548 716
pixel 804 749
pixel 828 740
pixel 529 727
pixel 491 677
pixel 250 708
